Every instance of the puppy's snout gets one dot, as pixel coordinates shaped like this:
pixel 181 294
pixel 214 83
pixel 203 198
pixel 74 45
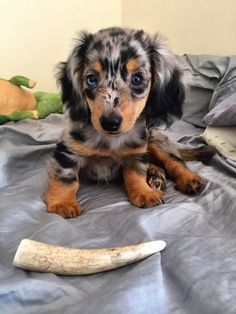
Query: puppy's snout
pixel 111 123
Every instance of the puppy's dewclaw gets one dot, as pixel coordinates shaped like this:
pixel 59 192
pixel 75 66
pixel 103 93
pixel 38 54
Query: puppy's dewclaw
pixel 42 257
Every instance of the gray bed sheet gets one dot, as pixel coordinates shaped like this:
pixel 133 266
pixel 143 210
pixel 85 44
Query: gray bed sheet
pixel 196 273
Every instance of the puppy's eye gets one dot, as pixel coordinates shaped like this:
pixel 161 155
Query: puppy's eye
pixel 92 80
pixel 136 79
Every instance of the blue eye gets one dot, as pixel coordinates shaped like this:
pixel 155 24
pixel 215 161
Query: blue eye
pixel 136 79
pixel 92 80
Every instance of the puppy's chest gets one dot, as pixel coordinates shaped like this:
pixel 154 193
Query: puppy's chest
pixel 101 169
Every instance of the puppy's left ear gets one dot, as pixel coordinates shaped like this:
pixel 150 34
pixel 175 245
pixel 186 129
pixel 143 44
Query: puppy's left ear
pixel 166 96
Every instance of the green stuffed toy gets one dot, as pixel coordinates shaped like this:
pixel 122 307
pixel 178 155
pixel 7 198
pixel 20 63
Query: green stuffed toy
pixel 17 103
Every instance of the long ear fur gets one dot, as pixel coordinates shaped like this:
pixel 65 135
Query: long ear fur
pixel 69 78
pixel 167 92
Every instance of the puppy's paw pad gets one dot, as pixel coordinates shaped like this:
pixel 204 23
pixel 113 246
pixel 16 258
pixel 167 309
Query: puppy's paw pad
pixel 67 210
pixel 156 178
pixel 191 184
pixel 147 199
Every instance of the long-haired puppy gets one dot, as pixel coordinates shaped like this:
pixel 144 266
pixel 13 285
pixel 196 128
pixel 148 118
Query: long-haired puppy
pixel 117 85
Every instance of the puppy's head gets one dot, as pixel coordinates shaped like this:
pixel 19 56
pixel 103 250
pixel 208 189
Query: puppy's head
pixel 115 76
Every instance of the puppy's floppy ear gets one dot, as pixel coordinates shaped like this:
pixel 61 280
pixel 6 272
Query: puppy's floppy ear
pixel 167 91
pixel 69 78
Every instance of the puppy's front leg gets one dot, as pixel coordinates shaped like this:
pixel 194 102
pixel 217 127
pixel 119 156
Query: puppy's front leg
pixel 63 184
pixel 139 192
pixel 61 198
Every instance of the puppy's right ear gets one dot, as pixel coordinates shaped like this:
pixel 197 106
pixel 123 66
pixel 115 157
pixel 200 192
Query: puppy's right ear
pixel 69 78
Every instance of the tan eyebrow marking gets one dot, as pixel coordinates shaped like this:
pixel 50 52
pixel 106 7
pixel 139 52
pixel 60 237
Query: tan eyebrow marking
pixel 97 67
pixel 132 65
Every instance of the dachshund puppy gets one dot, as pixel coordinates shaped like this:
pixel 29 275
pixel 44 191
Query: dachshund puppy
pixel 117 85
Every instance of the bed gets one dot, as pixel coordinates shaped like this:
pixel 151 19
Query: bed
pixel 196 273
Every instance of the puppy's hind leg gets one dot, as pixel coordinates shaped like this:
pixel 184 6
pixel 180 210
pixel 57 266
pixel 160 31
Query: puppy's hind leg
pixel 185 180
pixel 63 184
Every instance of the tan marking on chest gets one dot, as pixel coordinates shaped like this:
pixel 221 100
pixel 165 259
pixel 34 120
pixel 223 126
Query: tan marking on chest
pixel 86 151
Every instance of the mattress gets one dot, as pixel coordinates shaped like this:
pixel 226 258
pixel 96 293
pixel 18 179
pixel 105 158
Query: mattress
pixel 196 273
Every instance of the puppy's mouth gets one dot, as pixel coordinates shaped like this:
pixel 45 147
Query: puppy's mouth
pixel 113 134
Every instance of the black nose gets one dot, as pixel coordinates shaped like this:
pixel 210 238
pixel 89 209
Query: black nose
pixel 111 123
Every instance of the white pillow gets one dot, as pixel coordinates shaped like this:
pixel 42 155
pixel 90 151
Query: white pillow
pixel 223 138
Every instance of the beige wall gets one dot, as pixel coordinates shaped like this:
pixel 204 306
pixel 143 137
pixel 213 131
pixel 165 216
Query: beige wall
pixel 36 34
pixel 192 26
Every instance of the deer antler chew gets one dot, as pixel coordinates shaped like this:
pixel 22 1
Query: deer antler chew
pixel 42 257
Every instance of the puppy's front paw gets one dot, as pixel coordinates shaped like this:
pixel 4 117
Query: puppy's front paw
pixel 190 183
pixel 66 210
pixel 146 199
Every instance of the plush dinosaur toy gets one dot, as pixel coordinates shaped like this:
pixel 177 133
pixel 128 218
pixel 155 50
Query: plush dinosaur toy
pixel 17 103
